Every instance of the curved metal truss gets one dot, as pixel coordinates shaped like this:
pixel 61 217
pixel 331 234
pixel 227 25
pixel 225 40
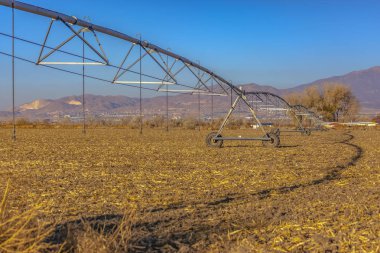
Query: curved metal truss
pixel 262 105
pixel 162 68
pixel 276 106
pixel 304 112
pixel 271 106
pixel 167 68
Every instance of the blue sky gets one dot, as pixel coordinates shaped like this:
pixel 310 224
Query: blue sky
pixel 278 43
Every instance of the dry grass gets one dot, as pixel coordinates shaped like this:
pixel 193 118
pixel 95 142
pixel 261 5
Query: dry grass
pixel 106 237
pixel 314 193
pixel 23 232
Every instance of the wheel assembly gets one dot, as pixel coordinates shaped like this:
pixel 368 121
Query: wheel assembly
pixel 211 142
pixel 275 131
pixel 306 132
pixel 274 140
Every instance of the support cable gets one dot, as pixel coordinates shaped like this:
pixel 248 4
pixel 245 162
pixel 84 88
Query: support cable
pixel 13 72
pixel 199 101
pixel 80 74
pixel 199 111
pixel 212 103
pixel 75 55
pixel 167 97
pixel 140 63
pixel 83 89
pixel 119 68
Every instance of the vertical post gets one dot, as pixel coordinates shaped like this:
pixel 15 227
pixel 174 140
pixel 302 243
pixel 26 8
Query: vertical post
pixel 167 98
pixel 83 89
pixel 167 108
pixel 199 111
pixel 141 120
pixel 212 102
pixel 13 72
pixel 199 100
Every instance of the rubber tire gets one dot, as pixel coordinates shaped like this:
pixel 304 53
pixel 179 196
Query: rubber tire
pixel 276 131
pixel 212 143
pixel 274 142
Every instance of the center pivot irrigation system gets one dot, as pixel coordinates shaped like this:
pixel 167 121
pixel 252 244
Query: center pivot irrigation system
pixel 276 108
pixel 315 120
pixel 162 68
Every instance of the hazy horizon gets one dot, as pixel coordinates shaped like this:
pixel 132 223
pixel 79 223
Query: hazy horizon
pixel 273 43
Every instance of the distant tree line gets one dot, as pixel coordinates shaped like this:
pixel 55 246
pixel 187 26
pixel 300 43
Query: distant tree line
pixel 334 101
pixel 159 121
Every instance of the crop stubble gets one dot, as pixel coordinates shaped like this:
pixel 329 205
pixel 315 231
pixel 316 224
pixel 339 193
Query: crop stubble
pixel 313 193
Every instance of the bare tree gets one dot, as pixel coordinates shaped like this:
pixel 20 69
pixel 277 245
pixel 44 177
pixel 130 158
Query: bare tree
pixel 335 101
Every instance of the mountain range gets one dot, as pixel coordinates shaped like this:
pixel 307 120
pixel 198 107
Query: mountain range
pixel 365 85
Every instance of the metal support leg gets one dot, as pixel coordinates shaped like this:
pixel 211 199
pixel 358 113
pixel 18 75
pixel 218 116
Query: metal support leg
pixel 300 126
pixel 253 114
pixel 228 115
pixel 298 122
pixel 231 95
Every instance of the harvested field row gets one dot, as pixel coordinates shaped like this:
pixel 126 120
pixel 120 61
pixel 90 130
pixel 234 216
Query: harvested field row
pixel 313 193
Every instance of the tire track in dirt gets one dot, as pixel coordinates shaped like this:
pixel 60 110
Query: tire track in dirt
pixel 333 174
pixel 189 233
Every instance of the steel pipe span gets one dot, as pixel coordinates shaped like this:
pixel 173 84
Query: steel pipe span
pixel 302 108
pixel 265 93
pixel 75 21
pixel 297 108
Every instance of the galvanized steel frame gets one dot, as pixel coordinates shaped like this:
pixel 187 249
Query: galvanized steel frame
pixel 149 49
pixel 146 46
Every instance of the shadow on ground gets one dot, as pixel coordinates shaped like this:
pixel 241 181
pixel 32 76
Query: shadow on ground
pixel 174 229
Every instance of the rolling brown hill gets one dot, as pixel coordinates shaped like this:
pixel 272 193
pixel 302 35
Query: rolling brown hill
pixel 365 85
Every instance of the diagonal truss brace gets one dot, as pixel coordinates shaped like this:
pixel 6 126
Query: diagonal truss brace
pixel 199 79
pixel 289 109
pixel 242 97
pixel 149 52
pixel 101 54
pixel 122 64
pixel 198 86
pixel 170 71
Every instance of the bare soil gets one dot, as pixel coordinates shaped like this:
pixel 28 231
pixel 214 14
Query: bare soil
pixel 314 193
